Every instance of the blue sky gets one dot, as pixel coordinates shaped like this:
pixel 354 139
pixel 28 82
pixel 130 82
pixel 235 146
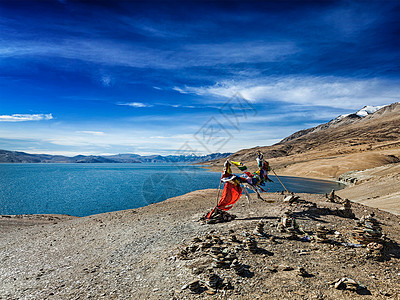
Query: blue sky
pixel 170 77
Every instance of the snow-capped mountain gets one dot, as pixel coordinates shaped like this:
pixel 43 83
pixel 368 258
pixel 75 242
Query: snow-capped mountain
pixel 363 112
pixel 339 121
pixel 367 110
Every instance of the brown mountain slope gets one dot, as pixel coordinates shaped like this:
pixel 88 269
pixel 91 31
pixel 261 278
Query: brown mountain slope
pixel 330 149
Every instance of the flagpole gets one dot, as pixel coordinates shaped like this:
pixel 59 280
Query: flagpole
pixel 219 188
pixel 280 181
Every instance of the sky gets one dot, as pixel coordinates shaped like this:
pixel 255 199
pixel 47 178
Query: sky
pixel 180 77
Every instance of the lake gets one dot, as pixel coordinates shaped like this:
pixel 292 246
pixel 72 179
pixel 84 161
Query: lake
pixel 87 189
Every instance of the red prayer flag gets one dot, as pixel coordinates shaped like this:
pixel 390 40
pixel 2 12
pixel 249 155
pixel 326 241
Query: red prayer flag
pixel 230 196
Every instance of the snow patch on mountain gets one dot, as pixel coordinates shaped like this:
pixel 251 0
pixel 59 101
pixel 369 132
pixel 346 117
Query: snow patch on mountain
pixel 341 117
pixel 367 110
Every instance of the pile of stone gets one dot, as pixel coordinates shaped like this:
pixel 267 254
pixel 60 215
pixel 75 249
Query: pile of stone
pixel 288 224
pixel 213 281
pixel 291 198
pixel 286 221
pixel 222 258
pixel 332 197
pixel 346 211
pixel 218 216
pixel 293 233
pixel 194 287
pixel 320 234
pixel 367 231
pixel 234 239
pixel 375 251
pixel 259 230
pixel 251 244
pixel 346 284
pixel 238 267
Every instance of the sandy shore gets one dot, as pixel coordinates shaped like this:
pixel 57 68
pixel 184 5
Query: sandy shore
pixel 134 254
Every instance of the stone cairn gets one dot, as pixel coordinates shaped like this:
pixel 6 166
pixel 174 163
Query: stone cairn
pixel 222 258
pixel 218 216
pixel 195 287
pixel 346 284
pixel 259 230
pixel 346 211
pixel 375 251
pixel 213 281
pixel 251 244
pixel 332 197
pixel 288 224
pixel 367 231
pixel 233 239
pixel 292 233
pixel 320 235
pixel 237 267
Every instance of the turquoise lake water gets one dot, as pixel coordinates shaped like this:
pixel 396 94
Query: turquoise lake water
pixel 87 189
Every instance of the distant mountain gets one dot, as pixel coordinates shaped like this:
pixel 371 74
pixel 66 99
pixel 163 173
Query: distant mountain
pixel 369 128
pixel 22 157
pixel 131 158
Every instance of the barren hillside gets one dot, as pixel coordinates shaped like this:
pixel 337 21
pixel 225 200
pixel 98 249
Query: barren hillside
pixel 328 150
pixel 140 253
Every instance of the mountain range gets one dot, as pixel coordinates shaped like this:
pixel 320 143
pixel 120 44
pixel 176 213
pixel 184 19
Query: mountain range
pixel 22 157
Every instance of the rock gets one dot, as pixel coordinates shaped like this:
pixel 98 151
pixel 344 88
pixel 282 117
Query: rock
pixel 211 292
pixel 321 233
pixel 213 280
pixel 291 198
pixel 302 272
pixel 375 251
pixel 194 286
pixel 259 230
pixel 233 239
pixel 345 211
pixel 286 268
pixel 346 284
pixel 237 267
pixel 331 196
pixel 367 231
pixel 251 244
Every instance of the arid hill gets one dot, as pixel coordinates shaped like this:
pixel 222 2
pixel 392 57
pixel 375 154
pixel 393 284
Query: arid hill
pixel 345 144
pixel 348 135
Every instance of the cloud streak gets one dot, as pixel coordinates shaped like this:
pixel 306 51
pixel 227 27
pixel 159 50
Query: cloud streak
pixel 25 117
pixel 136 104
pixel 307 90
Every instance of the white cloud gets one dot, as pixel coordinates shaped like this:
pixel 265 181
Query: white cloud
pixel 136 104
pixel 25 117
pixel 307 91
pixel 91 132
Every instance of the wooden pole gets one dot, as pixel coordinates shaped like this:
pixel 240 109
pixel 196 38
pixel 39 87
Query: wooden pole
pixel 219 188
pixel 280 181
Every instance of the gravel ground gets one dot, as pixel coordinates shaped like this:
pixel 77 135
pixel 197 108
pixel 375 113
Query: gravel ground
pixel 135 254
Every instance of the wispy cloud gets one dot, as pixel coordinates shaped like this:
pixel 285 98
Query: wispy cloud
pixel 91 132
pixel 136 104
pixel 25 117
pixel 306 90
pixel 118 53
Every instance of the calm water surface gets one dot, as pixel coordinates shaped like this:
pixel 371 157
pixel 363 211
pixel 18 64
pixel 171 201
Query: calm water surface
pixel 86 189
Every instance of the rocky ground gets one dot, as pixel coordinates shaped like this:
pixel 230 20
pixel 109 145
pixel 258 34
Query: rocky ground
pixel 155 252
pixel 377 187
